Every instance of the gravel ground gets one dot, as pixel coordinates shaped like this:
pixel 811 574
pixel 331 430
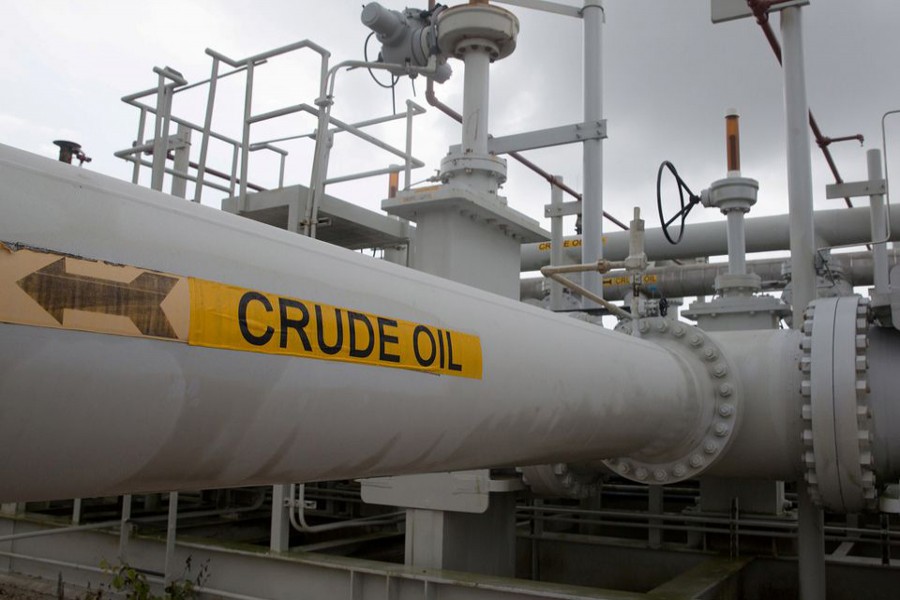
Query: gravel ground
pixel 21 587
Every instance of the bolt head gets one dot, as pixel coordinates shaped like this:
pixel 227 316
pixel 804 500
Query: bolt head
pixel 679 470
pixel 660 475
pixel 641 473
pixel 696 341
pixel 726 410
pixel 721 429
pixel 696 461
pixel 710 447
pixel 725 390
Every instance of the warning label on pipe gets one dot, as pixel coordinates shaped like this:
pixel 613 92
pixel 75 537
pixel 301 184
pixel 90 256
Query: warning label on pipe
pixel 51 290
pixel 224 316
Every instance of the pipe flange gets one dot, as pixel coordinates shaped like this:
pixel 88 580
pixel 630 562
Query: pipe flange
pixel 837 422
pixel 491 24
pixel 559 481
pixel 718 389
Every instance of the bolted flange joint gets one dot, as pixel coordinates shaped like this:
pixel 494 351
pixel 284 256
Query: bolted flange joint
pixel 720 394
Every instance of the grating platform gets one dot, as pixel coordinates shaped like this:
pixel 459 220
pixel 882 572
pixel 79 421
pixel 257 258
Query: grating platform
pixel 340 222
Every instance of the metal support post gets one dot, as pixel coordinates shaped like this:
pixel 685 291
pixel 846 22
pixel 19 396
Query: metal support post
pixel 245 136
pixel 655 506
pixel 556 245
pixel 799 168
pixel 171 527
pixel 811 546
pixel 592 204
pixel 139 141
pixel 280 532
pixel 76 512
pixel 803 274
pixel 407 172
pixel 161 133
pixel 879 225
pixel 182 161
pixel 207 127
pixel 125 528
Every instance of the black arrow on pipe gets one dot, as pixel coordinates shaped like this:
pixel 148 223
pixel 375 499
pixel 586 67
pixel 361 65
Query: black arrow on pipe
pixel 56 290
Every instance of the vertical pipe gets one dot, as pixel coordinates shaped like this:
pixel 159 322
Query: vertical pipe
pixel 407 172
pixel 799 169
pixel 207 127
pixel 879 224
pixel 592 202
pixel 475 102
pixel 803 275
pixel 76 512
pixel 556 244
pixel 737 258
pixel 171 528
pixel 245 137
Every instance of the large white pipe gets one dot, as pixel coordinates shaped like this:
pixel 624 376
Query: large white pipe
pixel 86 414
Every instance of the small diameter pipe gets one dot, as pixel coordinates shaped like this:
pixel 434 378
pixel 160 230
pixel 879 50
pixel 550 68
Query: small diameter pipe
pixel 556 275
pixel 298 517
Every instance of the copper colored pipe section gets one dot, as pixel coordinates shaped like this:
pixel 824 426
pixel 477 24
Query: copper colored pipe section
pixel 760 8
pixel 433 100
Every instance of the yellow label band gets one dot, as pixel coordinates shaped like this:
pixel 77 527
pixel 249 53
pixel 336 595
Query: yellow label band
pixel 626 280
pixel 224 316
pixel 47 289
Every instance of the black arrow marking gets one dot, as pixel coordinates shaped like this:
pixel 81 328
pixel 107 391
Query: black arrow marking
pixel 55 290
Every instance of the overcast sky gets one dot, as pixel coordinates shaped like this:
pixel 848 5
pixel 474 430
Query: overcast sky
pixel 669 76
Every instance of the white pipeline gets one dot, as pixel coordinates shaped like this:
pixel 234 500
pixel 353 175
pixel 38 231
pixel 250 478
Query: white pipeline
pixel 85 414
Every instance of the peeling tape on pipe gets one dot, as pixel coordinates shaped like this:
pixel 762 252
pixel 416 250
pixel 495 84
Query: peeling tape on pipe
pixel 47 289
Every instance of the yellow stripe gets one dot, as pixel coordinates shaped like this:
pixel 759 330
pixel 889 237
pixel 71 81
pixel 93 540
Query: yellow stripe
pixel 46 289
pixel 233 318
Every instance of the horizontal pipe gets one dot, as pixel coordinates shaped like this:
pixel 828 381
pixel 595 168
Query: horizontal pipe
pixel 97 414
pixel 681 281
pixel 837 227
